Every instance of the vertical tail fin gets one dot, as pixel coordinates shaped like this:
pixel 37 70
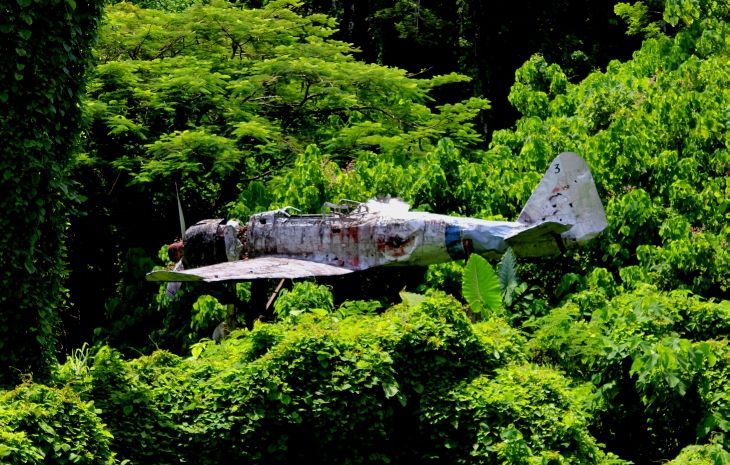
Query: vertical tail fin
pixel 567 195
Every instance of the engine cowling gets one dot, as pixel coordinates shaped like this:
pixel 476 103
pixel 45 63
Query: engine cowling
pixel 208 242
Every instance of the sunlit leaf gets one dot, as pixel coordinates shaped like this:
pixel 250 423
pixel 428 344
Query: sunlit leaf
pixel 480 286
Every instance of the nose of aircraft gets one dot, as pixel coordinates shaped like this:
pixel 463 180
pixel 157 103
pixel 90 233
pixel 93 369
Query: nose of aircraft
pixel 175 251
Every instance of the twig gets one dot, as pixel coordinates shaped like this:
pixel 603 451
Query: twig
pixel 273 296
pixel 114 184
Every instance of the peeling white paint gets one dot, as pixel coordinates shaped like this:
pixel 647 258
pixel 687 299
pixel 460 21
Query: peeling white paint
pixel 564 209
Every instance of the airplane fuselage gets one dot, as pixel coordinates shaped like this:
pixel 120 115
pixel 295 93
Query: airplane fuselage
pixel 364 240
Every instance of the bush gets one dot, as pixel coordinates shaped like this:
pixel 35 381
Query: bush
pixel 524 414
pixel 44 425
pixel 708 454
pixel 363 388
pixel 350 386
pixel 658 359
pixel 304 297
pixel 143 431
pixel 419 383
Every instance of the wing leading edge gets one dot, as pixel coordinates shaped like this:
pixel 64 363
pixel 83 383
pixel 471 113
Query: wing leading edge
pixel 250 269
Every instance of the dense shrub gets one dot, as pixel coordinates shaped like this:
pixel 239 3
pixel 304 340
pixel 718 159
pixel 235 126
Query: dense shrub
pixel 711 454
pixel 143 432
pixel 351 386
pixel 305 296
pixel 363 388
pixel 524 414
pixel 415 383
pixel 44 425
pixel 653 356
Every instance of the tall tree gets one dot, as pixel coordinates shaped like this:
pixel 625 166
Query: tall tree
pixel 45 46
pixel 212 98
pixel 486 41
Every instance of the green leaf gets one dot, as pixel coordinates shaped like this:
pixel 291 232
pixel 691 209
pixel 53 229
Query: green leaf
pixel 197 349
pixel 480 286
pixel 411 298
pixel 390 389
pixel 507 271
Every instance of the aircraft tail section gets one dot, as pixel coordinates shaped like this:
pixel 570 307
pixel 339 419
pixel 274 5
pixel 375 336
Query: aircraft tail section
pixel 566 196
pixel 538 240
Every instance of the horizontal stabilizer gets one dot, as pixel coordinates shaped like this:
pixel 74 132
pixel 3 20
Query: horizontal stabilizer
pixel 541 239
pixel 250 269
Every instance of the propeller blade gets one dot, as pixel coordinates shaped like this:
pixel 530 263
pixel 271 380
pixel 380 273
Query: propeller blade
pixel 180 214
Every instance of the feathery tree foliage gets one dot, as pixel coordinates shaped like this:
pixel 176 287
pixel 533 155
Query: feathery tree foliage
pixel 212 98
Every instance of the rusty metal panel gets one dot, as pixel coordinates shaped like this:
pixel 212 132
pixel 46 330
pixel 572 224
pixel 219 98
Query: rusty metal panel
pixel 380 234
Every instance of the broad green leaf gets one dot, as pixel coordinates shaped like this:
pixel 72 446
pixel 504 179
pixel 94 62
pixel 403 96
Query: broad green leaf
pixel 197 349
pixel 507 271
pixel 390 389
pixel 480 286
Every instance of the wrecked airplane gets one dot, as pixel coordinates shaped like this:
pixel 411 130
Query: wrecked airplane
pixel 563 211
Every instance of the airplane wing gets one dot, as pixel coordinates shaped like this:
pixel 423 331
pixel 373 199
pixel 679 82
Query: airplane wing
pixel 250 269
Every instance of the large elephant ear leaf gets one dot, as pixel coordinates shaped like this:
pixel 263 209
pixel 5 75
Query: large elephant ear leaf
pixel 480 286
pixel 507 271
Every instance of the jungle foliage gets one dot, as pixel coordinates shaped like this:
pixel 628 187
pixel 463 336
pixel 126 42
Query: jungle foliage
pixel 45 47
pixel 614 352
pixel 216 98
pixel 415 383
pixel 486 43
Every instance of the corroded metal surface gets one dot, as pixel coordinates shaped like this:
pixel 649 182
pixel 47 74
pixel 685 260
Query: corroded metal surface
pixel 204 243
pixel 564 209
pixel 385 233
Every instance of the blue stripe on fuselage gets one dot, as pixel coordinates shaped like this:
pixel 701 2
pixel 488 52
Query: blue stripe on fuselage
pixel 452 240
